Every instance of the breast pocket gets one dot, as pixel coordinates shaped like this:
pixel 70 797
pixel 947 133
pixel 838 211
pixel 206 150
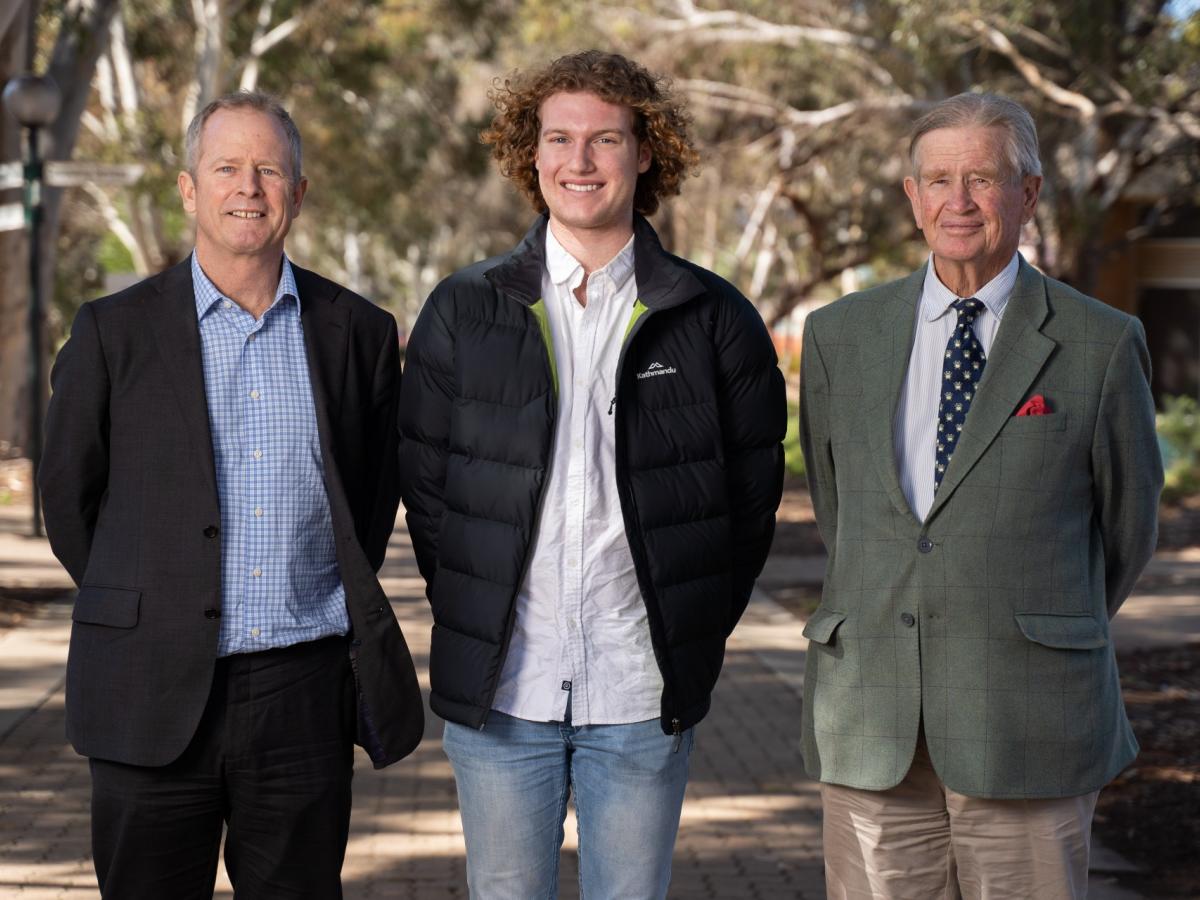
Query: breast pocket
pixel 1032 426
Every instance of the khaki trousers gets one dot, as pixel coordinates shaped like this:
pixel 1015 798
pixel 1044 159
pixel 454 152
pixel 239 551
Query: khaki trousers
pixel 922 841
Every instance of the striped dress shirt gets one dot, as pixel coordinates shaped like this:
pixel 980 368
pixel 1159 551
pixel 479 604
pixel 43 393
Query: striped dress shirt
pixel 915 424
pixel 280 583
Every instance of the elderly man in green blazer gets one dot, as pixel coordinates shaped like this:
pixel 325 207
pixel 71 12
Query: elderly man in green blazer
pixel 981 451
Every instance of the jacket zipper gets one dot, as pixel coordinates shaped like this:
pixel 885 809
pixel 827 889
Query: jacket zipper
pixel 537 519
pixel 636 547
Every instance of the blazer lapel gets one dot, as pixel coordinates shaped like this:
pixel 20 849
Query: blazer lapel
pixel 884 360
pixel 1018 355
pixel 173 320
pixel 326 336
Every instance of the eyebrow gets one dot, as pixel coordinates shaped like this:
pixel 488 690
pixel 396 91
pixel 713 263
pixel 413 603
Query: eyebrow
pixel 617 131
pixel 226 160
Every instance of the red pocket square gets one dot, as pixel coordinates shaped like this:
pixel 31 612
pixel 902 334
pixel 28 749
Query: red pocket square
pixel 1035 406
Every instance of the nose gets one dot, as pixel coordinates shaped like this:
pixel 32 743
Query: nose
pixel 581 156
pixel 960 197
pixel 250 182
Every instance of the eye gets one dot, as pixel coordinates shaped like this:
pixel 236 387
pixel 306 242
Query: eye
pixel 226 169
pixel 266 170
pixel 557 139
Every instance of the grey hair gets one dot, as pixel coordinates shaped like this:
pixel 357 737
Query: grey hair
pixel 985 111
pixel 263 103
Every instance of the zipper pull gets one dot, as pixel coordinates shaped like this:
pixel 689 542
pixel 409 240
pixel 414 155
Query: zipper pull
pixel 611 405
pixel 678 735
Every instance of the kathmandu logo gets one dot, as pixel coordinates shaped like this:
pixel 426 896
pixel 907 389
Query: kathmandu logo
pixel 657 368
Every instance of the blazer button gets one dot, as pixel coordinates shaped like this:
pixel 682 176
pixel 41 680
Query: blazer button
pixel 212 613
pixel 211 531
pixel 908 620
pixel 925 545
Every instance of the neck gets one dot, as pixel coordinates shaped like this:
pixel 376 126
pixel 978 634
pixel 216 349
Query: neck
pixel 249 281
pixel 966 278
pixel 594 248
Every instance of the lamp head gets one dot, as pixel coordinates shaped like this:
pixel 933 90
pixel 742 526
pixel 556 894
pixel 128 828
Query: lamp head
pixel 34 100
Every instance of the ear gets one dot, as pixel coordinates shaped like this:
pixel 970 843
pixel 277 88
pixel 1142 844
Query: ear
pixel 187 192
pixel 645 157
pixel 298 192
pixel 1031 188
pixel 914 199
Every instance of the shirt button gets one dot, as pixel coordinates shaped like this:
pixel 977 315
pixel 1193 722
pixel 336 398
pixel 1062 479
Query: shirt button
pixel 254 395
pixel 908 620
pixel 256 572
pixel 258 454
pixel 255 632
pixel 211 531
pixel 227 305
pixel 252 335
pixel 572 563
pixel 258 512
pixel 925 545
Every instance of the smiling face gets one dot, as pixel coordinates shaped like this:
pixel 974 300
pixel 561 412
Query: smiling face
pixel 588 161
pixel 969 204
pixel 242 192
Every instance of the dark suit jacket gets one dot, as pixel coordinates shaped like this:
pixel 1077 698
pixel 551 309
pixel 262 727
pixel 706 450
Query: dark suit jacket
pixel 130 495
pixel 987 623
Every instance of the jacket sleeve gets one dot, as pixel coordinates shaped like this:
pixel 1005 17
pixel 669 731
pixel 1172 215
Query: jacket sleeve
pixel 754 419
pixel 815 440
pixel 73 475
pixel 1126 465
pixel 382 443
pixel 426 397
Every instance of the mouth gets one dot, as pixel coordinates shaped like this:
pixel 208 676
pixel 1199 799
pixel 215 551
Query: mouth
pixel 247 214
pixel 578 188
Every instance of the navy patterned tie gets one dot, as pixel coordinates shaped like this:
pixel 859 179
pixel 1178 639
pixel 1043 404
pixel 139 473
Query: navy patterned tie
pixel 961 370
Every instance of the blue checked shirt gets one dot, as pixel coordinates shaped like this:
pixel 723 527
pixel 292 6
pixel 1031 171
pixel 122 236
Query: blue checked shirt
pixel 280 583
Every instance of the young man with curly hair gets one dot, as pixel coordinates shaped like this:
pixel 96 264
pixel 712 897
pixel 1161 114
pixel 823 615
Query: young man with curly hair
pixel 591 439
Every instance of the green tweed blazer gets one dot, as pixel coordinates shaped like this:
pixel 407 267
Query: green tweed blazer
pixel 989 621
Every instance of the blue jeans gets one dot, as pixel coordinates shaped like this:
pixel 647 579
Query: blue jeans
pixel 513 780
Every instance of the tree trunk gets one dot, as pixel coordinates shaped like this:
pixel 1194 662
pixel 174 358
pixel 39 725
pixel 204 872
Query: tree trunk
pixel 14 327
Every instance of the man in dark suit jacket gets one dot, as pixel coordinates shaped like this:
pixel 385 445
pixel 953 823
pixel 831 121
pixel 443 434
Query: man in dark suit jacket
pixel 220 479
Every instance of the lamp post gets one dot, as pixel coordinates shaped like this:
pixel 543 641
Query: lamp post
pixel 34 101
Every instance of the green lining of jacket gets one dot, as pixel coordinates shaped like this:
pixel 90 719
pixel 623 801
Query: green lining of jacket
pixel 539 312
pixel 639 310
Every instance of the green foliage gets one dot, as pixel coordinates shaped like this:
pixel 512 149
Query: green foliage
pixel 793 457
pixel 1179 439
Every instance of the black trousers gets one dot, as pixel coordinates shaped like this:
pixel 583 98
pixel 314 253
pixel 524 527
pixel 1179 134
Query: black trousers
pixel 272 759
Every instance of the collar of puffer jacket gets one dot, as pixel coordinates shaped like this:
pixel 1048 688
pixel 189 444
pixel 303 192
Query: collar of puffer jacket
pixel 662 281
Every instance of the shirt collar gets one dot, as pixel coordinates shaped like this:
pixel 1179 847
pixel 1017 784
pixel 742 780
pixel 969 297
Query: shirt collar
pixel 936 298
pixel 564 269
pixel 208 294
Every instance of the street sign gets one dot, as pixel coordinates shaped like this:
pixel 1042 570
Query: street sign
pixel 12 216
pixel 73 173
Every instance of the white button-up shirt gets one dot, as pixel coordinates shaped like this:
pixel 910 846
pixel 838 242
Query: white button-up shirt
pixel 915 424
pixel 581 630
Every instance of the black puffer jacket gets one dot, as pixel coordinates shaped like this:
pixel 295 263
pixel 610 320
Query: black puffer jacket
pixel 699 462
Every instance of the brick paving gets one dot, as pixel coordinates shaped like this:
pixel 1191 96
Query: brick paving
pixel 750 826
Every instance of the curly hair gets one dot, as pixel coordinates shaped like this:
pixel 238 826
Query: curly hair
pixel 659 119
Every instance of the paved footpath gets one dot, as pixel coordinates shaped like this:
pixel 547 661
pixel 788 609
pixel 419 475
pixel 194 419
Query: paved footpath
pixel 751 822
